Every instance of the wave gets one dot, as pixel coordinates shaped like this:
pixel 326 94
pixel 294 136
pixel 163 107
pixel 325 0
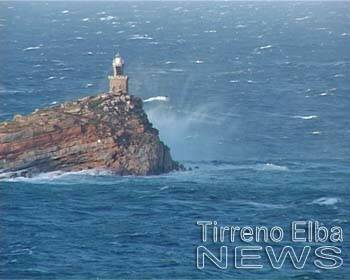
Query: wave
pixel 140 37
pixel 265 47
pixel 107 18
pixel 264 205
pixel 156 98
pixel 302 18
pixel 271 167
pixel 53 176
pixel 33 48
pixel 326 201
pixel 306 117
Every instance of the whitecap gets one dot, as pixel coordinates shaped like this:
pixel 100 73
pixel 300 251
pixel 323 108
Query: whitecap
pixel 65 12
pixel 85 19
pixel 210 31
pixel 327 201
pixel 79 38
pixel 53 176
pixel 306 117
pixel 89 85
pixel 323 94
pixel 302 18
pixel 234 81
pixel 316 132
pixel 99 32
pixel 140 37
pixel 33 48
pixel 345 34
pixel 156 98
pixel 107 18
pixel 176 70
pixel 265 47
pixel 264 205
pixel 51 78
pixel 199 61
pixel 271 167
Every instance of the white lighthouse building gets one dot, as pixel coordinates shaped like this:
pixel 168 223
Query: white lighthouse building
pixel 118 83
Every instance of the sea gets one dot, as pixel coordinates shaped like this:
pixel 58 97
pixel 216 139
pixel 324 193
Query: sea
pixel 252 97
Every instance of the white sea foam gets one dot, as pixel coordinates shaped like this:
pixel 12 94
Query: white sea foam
pixel 107 18
pixel 156 98
pixel 327 201
pixel 265 47
pixel 176 70
pixel 65 12
pixel 271 167
pixel 54 176
pixel 51 78
pixel 264 205
pixel 199 61
pixel 140 37
pixel 302 18
pixel 85 19
pixel 33 48
pixel 316 132
pixel 306 117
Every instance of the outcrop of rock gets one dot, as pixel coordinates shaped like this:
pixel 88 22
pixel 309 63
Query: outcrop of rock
pixel 102 132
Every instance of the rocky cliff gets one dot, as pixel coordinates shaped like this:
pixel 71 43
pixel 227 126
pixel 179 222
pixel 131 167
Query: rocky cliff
pixel 107 131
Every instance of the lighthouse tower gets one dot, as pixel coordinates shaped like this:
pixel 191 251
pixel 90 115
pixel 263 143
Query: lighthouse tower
pixel 118 83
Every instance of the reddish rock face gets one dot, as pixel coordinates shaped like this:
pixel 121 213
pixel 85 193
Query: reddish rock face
pixel 103 132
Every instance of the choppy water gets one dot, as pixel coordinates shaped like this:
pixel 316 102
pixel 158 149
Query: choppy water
pixel 257 99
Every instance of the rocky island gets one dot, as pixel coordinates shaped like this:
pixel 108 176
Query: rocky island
pixel 108 131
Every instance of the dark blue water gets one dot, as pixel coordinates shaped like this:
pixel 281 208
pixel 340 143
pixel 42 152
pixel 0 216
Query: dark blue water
pixel 258 101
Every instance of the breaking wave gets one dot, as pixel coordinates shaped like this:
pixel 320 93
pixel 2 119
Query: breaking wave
pixel 156 98
pixel 306 117
pixel 55 176
pixel 326 201
pixel 32 48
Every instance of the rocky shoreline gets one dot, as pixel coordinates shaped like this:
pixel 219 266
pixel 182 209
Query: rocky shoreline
pixel 108 131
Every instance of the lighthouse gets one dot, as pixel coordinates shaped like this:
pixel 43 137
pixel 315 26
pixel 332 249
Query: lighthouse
pixel 118 82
